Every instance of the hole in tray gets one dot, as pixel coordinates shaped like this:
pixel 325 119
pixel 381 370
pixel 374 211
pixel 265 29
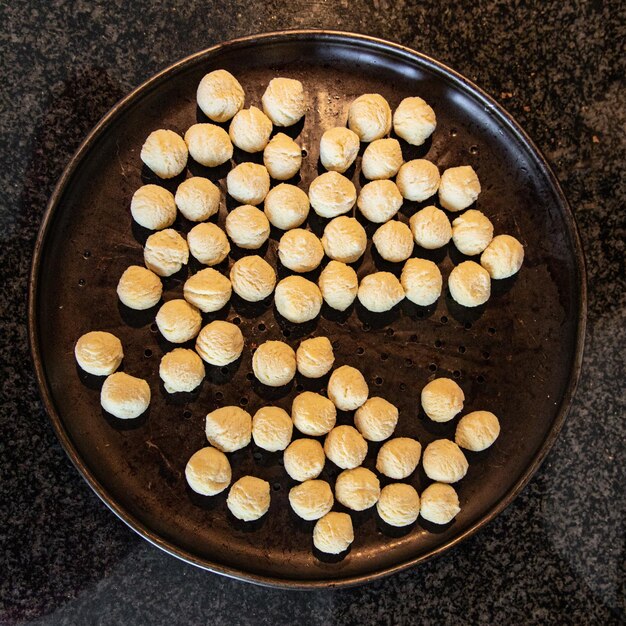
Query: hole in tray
pixel 276 486
pixel 408 362
pixel 250 375
pixel 86 254
pixel 187 414
pixel 462 349
pixel 486 354
pixel 378 380
pixel 491 330
pixel 153 327
pixel 360 350
pixel 304 153
pixel 243 401
pixel 438 343
pixel 384 356
pixel 390 332
pixel 473 150
pixel 236 320
pixel 444 319
pixel 456 374
pixel 453 132
pixel 224 371
pixel 366 326
pixel 432 367
pixel 147 353
pixel 261 327
pixel 413 338
pixel 299 387
pixel 257 456
pixel 402 387
pixel 81 282
pixel 286 332
pixel 219 395
pixel 480 379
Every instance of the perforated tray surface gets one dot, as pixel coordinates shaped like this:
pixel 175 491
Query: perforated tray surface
pixel 518 356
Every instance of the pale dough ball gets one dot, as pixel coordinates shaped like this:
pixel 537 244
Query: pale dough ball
pixel 414 121
pixel 198 198
pixel 313 414
pixel 124 396
pixel 139 288
pixel 153 207
pixel 398 505
pixel 357 489
pixel 208 290
pixel 220 343
pixel 380 291
pixel 418 180
pixel 398 457
pixel 472 232
pixel 229 428
pixel 274 363
pixel 442 399
pixel 304 459
pixel 444 462
pixel 369 117
pixel 459 187
pixel 339 285
pixel 208 243
pixel 439 504
pixel 379 200
pixel 347 388
pixel 208 472
pixel 99 353
pixel 297 299
pixel 469 284
pixel 421 281
pixel 333 533
pixel 315 357
pixel 165 252
pixel 344 239
pixel 300 250
pixel 477 431
pixel 394 241
pixel 165 153
pixel 248 183
pixel 272 428
pixel 248 227
pixel 252 278
pixel 286 206
pixel 178 321
pixel 332 194
pixel 181 370
pixel 208 144
pixel 282 157
pixel 431 228
pixel 382 159
pixel 339 148
pixel 376 419
pixel 311 499
pixel 249 498
pixel 503 257
pixel 283 101
pixel 220 95
pixel 345 447
pixel 250 130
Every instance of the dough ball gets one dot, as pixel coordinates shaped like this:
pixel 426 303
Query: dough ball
pixel 339 285
pixel 220 95
pixel 283 101
pixel 181 370
pixel 414 121
pixel 332 194
pixel 333 533
pixel 274 363
pixel 208 472
pixel 178 321
pixel 99 353
pixel 339 148
pixel 153 207
pixel 304 459
pixel 344 239
pixel 297 299
pixel 503 257
pixel 369 117
pixel 380 291
pixel 311 499
pixel 421 281
pixel 398 505
pixel 345 447
pixel 459 187
pixel 440 504
pixel 347 388
pixel 398 457
pixel 472 232
pixel 208 290
pixel 444 462
pixel 124 396
pixel 300 250
pixel 208 243
pixel 431 228
pixel 198 199
pixel 469 284
pixel 418 180
pixel 379 200
pixel 250 130
pixel 220 343
pixel 248 227
pixel 165 252
pixel 477 431
pixel 272 428
pixel 357 489
pixel 394 241
pixel 252 278
pixel 376 419
pixel 165 153
pixel 229 428
pixel 249 498
pixel 315 357
pixel 382 159
pixel 208 144
pixel 442 399
pixel 282 157
pixel 248 183
pixel 313 414
pixel 139 288
pixel 286 206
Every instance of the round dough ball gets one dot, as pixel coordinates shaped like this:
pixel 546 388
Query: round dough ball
pixel 198 198
pixel 208 290
pixel 472 232
pixel 304 459
pixel 333 533
pixel 208 144
pixel 503 257
pixel 376 419
pixel 165 252
pixel 274 363
pixel 398 505
pixel 347 388
pixel 339 285
pixel 248 227
pixel 286 206
pixel 300 250
pixel 208 472
pixel 345 447
pixel 418 180
pixel 282 157
pixel 219 343
pixel 421 281
pixel 99 353
pixel 313 414
pixel 357 489
pixel 380 291
pixel 394 241
pixel 208 243
pixel 249 498
pixel 442 399
pixel 344 239
pixel 431 228
pixel 444 462
pixel 477 431
pixel 398 457
pixel 311 499
pixel 250 130
pixel 124 396
pixel 440 504
pixel 339 148
pixel 229 428
pixel 178 321
pixel 315 357
pixel 369 117
pixel 459 187
pixel 252 278
pixel 283 101
pixel 153 207
pixel 165 153
pixel 181 370
pixel 220 95
pixel 414 121
pixel 469 284
pixel 248 183
pixel 272 428
pixel 297 299
pixel 332 194
pixel 382 159
pixel 139 288
pixel 379 200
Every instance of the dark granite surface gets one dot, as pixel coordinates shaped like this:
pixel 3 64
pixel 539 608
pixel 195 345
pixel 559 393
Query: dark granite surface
pixel 557 554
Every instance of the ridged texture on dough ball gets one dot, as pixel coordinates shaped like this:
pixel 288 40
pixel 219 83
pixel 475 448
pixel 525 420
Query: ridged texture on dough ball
pixel 422 281
pixel 394 241
pixel 165 252
pixel 339 285
pixel 382 159
pixel 297 299
pixel 181 370
pixel 248 183
pixel 414 120
pixel 283 101
pixel 208 290
pixel 282 157
pixel 345 447
pixel 300 250
pixel 220 95
pixel 459 188
pixel 439 503
pixel 333 533
pixel 379 200
pixel 469 284
pixel 198 198
pixel 272 428
pixel 153 207
pixel 376 419
pixel 247 227
pixel 286 206
pixel 252 278
pixel 208 243
pixel 418 180
pixel 339 148
pixel 332 194
pixel 208 472
pixel 249 498
pixel 344 239
pixel 139 288
pixel 444 462
pixel 274 363
pixel 380 292
pixel 503 257
pixel 220 343
pixel 250 130
pixel 347 388
pixel 477 431
pixel 178 321
pixel 471 232
pixel 315 357
pixel 442 399
pixel 357 489
pixel 125 396
pixel 99 353
pixel 304 459
pixel 208 144
pixel 398 505
pixel 311 499
pixel 431 228
pixel 165 153
pixel 228 428
pixel 398 457
pixel 369 117
pixel 313 414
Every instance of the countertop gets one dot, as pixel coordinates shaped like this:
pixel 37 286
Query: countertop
pixel 556 555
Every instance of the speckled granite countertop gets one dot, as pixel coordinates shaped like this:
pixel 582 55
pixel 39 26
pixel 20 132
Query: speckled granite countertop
pixel 556 555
